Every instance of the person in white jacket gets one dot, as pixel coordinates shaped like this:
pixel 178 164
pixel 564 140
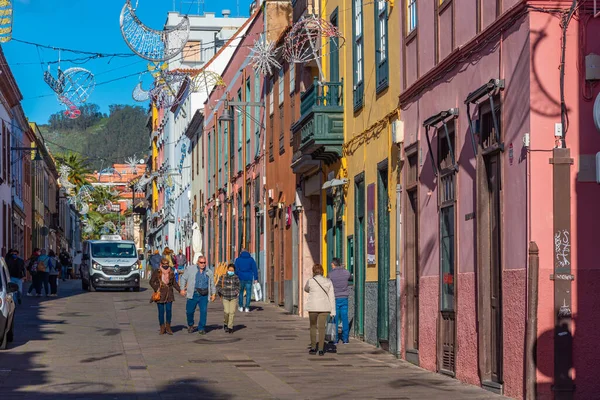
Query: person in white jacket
pixel 320 305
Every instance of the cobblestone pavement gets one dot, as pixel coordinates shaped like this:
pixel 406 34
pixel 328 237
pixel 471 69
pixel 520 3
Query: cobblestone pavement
pixel 105 345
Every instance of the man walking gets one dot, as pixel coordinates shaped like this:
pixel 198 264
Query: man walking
pixel 155 260
pixel 340 277
pixel 35 276
pixel 77 263
pixel 16 269
pixel 197 284
pixel 67 266
pixel 246 269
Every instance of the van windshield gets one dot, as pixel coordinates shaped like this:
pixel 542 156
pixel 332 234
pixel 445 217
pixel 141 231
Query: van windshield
pixel 126 250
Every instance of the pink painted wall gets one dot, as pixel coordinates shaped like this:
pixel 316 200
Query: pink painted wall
pixel 507 60
pixel 583 139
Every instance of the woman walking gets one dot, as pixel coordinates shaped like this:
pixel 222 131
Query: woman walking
pixel 229 289
pixel 163 282
pixel 54 268
pixel 320 305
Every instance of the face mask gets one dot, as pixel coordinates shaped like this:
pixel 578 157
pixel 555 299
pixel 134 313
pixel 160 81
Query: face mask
pixel 165 266
pixel 230 273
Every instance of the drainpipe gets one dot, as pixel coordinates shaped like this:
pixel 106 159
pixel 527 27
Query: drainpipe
pixel 531 333
pixel 398 286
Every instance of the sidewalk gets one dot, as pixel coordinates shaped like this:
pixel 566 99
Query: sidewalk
pixel 106 345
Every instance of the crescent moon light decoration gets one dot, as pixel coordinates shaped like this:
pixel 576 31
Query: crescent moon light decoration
pixel 151 44
pixel 307 39
pixel 79 83
pixel 6 20
pixel 139 94
pixel 204 81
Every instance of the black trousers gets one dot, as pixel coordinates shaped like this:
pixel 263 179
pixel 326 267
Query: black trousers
pixel 53 284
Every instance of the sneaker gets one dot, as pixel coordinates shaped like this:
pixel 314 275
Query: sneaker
pixel 240 309
pixel 29 295
pixel 347 342
pixel 202 332
pixel 321 353
pixel 225 328
pixel 312 351
pixel 230 330
pixel 190 329
pixel 246 310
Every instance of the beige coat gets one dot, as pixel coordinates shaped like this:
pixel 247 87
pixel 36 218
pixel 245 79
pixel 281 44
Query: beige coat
pixel 320 299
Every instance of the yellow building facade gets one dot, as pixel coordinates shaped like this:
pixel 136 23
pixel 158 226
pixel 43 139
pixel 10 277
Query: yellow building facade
pixel 371 66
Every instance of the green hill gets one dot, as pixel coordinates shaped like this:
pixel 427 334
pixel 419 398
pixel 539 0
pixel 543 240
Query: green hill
pixel 103 139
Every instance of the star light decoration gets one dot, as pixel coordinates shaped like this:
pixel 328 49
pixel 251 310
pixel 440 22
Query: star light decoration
pixel 264 56
pixel 88 226
pixel 132 163
pixel 63 178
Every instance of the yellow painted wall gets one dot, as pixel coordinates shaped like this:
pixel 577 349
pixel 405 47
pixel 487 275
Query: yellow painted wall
pixel 368 132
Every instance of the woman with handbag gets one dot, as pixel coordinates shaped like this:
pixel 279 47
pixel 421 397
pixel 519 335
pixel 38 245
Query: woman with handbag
pixel 163 282
pixel 320 306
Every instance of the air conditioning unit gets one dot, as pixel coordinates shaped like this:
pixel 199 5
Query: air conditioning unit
pixel 398 131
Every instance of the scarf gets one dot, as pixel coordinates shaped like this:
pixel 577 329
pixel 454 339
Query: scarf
pixel 165 276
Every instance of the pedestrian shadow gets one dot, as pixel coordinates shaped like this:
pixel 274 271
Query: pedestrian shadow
pixel 178 328
pixel 239 327
pixel 95 359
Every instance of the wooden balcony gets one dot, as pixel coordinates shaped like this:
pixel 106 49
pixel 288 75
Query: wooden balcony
pixel 318 135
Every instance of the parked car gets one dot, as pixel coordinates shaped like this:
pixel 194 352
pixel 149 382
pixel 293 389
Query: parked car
pixel 7 306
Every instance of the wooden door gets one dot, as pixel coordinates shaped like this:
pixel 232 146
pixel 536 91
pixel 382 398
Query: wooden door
pixel 496 348
pixel 359 259
pixel 412 277
pixel 383 259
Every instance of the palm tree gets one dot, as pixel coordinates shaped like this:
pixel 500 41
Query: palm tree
pixel 80 172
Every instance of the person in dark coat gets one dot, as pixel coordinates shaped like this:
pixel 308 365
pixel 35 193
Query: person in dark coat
pixel 163 281
pixel 246 270
pixel 16 269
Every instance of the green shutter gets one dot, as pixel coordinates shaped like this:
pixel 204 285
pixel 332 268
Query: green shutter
pixel 382 66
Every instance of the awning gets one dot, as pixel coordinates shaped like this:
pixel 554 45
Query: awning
pixel 490 89
pixel 433 121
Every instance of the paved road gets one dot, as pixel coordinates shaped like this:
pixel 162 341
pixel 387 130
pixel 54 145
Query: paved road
pixel 105 345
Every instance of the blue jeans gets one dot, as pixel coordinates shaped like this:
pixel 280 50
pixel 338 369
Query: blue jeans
pixel 247 286
pixel 64 272
pixel 341 311
pixel 162 307
pixel 19 283
pixel 190 309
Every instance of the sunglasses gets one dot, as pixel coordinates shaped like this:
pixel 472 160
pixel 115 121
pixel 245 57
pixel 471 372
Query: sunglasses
pixel 201 262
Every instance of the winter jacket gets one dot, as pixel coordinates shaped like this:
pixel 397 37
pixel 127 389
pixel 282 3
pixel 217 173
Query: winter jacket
pixel 155 261
pixel 166 291
pixel 16 267
pixel 245 267
pixel 340 277
pixel 188 281
pixel 321 297
pixel 229 287
pixel 53 266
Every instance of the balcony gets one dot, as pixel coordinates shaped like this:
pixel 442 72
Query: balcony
pixel 319 133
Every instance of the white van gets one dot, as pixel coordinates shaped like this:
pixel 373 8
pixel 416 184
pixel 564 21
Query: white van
pixel 110 263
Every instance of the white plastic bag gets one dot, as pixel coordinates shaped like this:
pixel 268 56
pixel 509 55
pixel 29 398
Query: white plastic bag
pixel 257 291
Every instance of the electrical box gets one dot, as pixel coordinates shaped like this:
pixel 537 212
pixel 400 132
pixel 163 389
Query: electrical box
pixel 558 129
pixel 592 67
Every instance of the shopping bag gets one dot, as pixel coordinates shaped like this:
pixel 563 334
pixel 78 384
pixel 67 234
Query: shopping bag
pixel 331 331
pixel 257 291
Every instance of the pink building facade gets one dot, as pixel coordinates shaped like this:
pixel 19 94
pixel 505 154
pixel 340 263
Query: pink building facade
pixel 234 155
pixel 480 101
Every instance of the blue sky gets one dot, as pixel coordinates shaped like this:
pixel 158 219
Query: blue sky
pixel 88 25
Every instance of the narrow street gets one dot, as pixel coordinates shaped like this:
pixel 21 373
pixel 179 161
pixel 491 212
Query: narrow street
pixel 105 345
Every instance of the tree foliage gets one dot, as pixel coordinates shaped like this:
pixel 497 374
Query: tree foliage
pixel 104 139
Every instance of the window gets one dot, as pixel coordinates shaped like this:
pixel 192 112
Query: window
pixel 411 14
pixel 381 38
pixel 280 85
pixel 292 77
pixel 358 53
pixel 192 51
pixel 271 109
pixel 239 115
pixel 246 111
